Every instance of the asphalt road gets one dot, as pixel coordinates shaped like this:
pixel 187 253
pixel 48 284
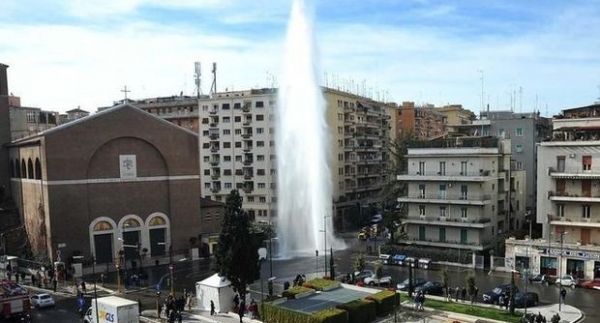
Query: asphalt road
pixel 187 274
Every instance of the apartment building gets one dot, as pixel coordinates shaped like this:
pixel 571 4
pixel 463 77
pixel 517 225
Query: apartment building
pixel 180 110
pixel 568 197
pixel 424 122
pixel 456 114
pixel 27 121
pixel 462 193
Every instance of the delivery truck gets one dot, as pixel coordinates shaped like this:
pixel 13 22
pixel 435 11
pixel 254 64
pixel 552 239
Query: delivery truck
pixel 112 309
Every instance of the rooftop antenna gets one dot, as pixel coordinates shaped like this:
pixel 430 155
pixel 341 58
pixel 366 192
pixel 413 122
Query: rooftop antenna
pixel 213 87
pixel 482 95
pixel 520 99
pixel 125 91
pixel 198 78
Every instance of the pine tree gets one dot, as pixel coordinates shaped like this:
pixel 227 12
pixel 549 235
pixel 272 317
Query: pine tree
pixel 237 253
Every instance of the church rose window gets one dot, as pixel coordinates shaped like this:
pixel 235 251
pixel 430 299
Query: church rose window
pixel 156 221
pixel 102 226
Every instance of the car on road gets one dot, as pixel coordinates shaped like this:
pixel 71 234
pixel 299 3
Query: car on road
pixel 385 279
pixel 42 300
pixel 361 275
pixel 567 280
pixel 492 296
pixel 431 288
pixel 592 284
pixel 542 279
pixel 529 299
pixel 403 286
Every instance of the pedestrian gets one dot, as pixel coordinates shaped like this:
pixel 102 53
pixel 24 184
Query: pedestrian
pixel 416 300
pixel 140 306
pixel 475 292
pixel 286 285
pixel 32 280
pixel 506 301
pixel 54 284
pixel 236 300
pixel 172 316
pixel 212 308
pixel 189 302
pixel 83 289
pixel 463 294
pixel 457 292
pixel 501 300
pixel 17 278
pixel 241 310
pixel 102 279
pixel 563 294
pixel 421 301
pixel 450 292
pixel 179 317
pixel 539 318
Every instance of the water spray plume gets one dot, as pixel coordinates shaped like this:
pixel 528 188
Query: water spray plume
pixel 304 187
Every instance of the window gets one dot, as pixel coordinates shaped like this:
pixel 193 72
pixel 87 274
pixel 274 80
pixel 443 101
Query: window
pixel 207 186
pixel 260 117
pixel 204 120
pixel 422 191
pixel 238 158
pixel 207 172
pixel 225 106
pixel 205 133
pixel 260 104
pixel 463 213
pixel 442 191
pixel 442 211
pixel 261 185
pixel 421 168
pixel 463 236
pixel 442 234
pixel 227 172
pixel 260 157
pixel 237 119
pixel 238 144
pixel 260 130
pixel 260 172
pixel 226 145
pixel 38 169
pixel 560 210
pixel 226 131
pixel 585 211
pixel 262 199
pixel 421 232
pixel 519 165
pixel 340 171
pixel 260 144
pixel 519 148
pixel 237 105
pixel 271 143
pixel 238 131
pixel 227 186
pixel 587 162
pixel 560 164
pixel 422 210
pixel 250 198
pixel 464 192
pixel 463 168
pixel 206 159
pixel 519 132
pixel 442 168
pixel 227 158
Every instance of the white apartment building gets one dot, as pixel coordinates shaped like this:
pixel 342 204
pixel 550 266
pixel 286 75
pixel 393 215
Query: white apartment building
pixel 568 200
pixel 460 192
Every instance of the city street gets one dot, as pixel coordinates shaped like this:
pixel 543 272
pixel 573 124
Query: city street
pixel 188 273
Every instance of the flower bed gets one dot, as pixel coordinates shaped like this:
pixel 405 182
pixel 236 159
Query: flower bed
pixel 385 301
pixel 360 311
pixel 297 292
pixel 321 284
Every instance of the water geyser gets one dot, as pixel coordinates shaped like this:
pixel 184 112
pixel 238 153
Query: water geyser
pixel 304 191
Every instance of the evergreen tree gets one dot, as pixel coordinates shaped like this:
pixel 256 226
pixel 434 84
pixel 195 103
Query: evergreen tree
pixel 237 253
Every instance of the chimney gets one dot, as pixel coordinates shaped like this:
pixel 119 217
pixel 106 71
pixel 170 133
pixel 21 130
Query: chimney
pixel 3 80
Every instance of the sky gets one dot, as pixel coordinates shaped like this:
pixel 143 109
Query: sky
pixel 69 53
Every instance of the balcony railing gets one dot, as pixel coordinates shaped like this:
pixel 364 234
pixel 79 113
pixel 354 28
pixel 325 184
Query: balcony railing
pixel 465 142
pixel 480 172
pixel 573 172
pixel 574 197
pixel 450 196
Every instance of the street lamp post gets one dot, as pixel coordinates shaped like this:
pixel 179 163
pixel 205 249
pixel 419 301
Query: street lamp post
pixel 316 261
pixel 95 290
pixel 171 267
pixel 158 304
pixel 325 241
pixel 562 235
pixel 262 253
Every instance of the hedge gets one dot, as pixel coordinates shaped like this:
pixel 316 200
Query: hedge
pixel 276 314
pixel 360 311
pixel 385 301
pixel 321 284
pixel 292 292
pixel 330 315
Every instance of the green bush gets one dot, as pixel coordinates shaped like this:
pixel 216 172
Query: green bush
pixel 360 311
pixel 292 292
pixel 385 301
pixel 320 284
pixel 330 315
pixel 276 314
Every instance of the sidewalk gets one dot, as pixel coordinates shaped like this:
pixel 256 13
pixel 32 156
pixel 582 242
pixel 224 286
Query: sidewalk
pixel 199 316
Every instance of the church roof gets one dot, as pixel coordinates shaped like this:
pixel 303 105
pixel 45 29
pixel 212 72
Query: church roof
pixel 97 115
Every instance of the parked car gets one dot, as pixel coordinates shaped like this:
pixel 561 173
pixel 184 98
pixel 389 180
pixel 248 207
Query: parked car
pixel 385 259
pixel 361 275
pixel 424 263
pixel 42 300
pixel 431 288
pixel 567 280
pixel 410 261
pixel 492 296
pixel 594 283
pixel 373 280
pixel 529 299
pixel 398 260
pixel 403 286
pixel 541 278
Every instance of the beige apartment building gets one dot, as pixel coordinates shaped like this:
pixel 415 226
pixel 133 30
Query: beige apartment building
pixel 462 194
pixel 568 200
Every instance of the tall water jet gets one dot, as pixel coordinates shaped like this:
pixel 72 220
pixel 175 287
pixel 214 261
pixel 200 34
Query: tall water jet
pixel 304 191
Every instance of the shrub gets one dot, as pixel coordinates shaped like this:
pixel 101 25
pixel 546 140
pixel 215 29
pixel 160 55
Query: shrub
pixel 292 292
pixel 321 284
pixel 360 311
pixel 330 315
pixel 385 301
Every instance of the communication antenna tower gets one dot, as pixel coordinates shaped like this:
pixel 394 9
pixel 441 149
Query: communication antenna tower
pixel 198 78
pixel 213 87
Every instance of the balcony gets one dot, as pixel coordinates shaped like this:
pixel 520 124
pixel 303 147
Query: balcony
pixel 215 176
pixel 214 149
pixel 213 125
pixel 468 176
pixel 215 189
pixel 248 161
pixel 214 135
pixel 574 221
pixel 458 199
pixel 248 175
pixel 248 188
pixel 246 135
pixel 246 107
pixel 446 244
pixel 247 148
pixel 573 173
pixel 570 197
pixel 450 222
pixel 214 162
pixel 213 111
pixel 247 122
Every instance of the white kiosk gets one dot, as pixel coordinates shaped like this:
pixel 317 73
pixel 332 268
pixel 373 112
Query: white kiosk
pixel 217 289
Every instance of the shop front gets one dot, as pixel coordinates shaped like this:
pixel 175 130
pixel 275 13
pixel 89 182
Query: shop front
pixel 576 267
pixel 548 265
